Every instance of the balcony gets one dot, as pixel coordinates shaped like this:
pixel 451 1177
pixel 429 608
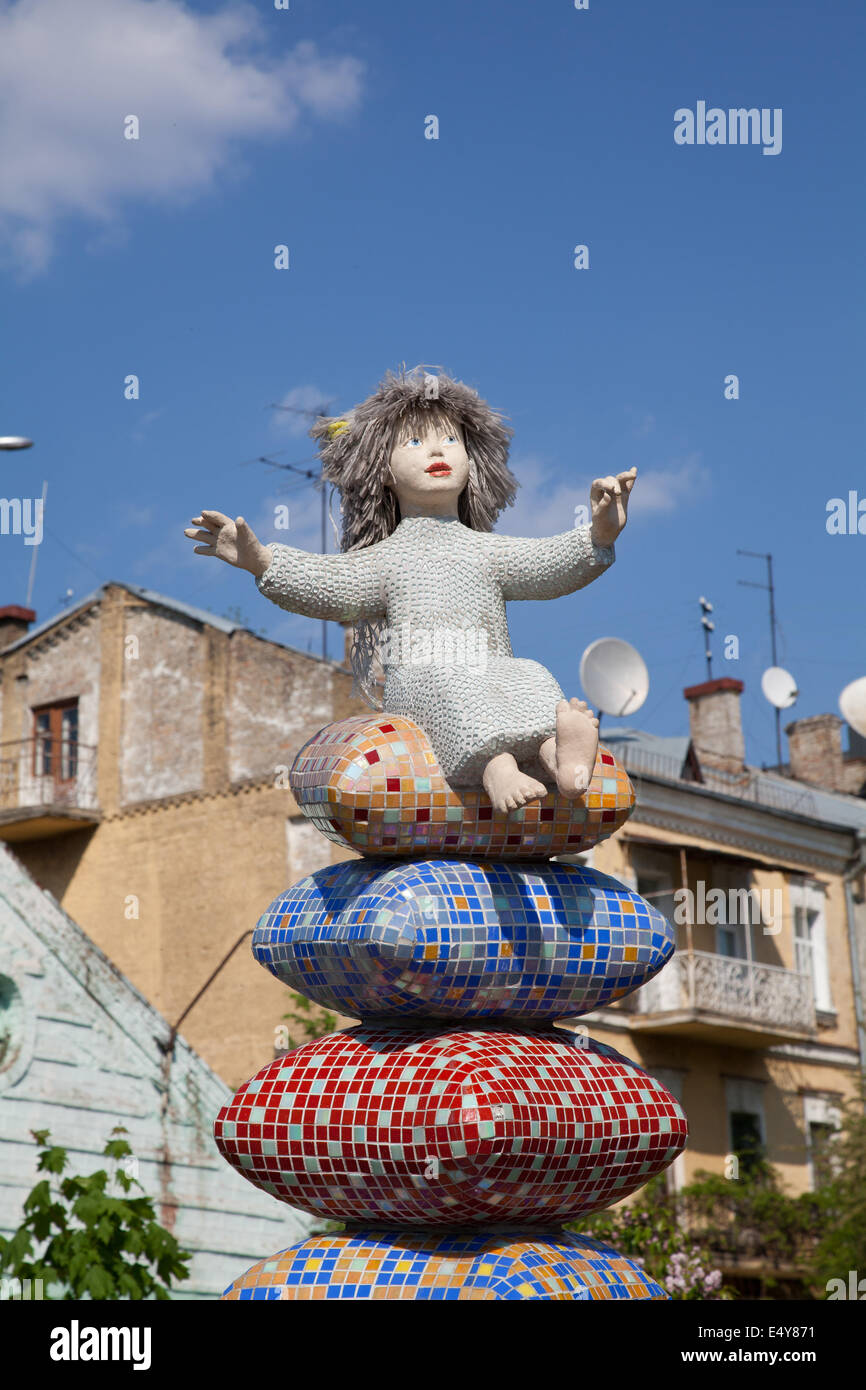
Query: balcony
pixel 47 788
pixel 726 1000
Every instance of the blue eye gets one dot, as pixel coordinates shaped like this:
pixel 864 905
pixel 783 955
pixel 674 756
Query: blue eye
pixel 450 439
pixel 410 443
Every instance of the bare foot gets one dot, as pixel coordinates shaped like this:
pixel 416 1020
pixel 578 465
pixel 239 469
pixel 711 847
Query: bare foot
pixel 508 787
pixel 571 755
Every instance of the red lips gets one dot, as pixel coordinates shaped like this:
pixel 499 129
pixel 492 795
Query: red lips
pixel 438 468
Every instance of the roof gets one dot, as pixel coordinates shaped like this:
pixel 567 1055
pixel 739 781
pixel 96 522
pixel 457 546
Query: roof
pixel 676 749
pixel 185 610
pixel 652 755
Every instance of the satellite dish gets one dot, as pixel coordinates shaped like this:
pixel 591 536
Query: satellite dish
pixel 614 676
pixel 779 687
pixel 15 441
pixel 852 703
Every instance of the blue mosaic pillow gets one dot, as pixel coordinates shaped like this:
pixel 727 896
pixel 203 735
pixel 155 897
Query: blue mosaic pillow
pixel 389 1264
pixel 443 938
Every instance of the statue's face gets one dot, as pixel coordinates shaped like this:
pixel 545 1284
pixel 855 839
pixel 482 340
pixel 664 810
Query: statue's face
pixel 430 471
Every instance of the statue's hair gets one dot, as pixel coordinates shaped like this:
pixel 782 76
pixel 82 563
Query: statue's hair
pixel 355 450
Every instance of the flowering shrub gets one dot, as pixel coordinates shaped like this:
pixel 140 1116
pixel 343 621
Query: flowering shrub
pixel 650 1231
pixel 687 1276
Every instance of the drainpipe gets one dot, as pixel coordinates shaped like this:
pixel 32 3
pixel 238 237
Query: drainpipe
pixel 690 938
pixel 857 868
pixel 168 1047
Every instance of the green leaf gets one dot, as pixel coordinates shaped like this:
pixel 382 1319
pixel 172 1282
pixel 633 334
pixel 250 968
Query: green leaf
pixel 98 1246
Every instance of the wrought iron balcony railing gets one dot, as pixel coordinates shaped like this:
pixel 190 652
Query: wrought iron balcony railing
pixel 731 988
pixel 47 772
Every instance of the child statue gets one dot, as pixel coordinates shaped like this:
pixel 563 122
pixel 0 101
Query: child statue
pixel 421 467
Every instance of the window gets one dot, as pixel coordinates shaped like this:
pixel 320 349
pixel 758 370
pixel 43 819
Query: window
pixel 10 1022
pixel 55 741
pixel 810 941
pixel 673 1078
pixel 730 940
pixel 823 1119
pixel 653 875
pixel 820 1153
pixel 746 1129
pixel 736 913
pixel 745 1138
pixel 659 893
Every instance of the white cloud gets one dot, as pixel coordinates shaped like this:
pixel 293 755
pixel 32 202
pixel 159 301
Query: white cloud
pixel 545 504
pixel 666 489
pixel 134 514
pixel 71 73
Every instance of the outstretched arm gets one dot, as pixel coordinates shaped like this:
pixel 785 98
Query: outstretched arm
pixel 340 588
pixel 552 566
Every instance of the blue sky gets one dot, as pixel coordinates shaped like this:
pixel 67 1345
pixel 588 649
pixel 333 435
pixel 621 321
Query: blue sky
pixel 306 127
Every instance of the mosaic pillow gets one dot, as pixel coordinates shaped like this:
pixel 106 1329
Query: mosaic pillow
pixel 391 1264
pixel 423 1126
pixel 443 938
pixel 374 785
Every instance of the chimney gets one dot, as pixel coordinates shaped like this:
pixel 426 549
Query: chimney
pixel 714 720
pixel 815 751
pixel 14 623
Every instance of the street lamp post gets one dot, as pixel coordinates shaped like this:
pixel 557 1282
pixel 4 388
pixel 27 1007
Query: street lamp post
pixel 9 443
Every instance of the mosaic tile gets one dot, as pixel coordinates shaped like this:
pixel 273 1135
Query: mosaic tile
pixel 397 1264
pixel 373 785
pixel 417 1125
pixel 451 939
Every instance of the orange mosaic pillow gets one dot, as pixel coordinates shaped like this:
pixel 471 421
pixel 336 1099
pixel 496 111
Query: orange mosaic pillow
pixel 374 785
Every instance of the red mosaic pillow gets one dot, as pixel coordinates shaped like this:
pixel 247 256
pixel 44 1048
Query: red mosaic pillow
pixel 431 1126
pixel 374 785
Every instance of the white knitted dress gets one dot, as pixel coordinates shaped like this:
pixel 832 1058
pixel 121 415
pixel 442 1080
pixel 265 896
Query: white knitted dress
pixel 441 589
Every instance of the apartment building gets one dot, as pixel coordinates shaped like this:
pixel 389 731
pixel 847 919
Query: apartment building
pixel 756 1024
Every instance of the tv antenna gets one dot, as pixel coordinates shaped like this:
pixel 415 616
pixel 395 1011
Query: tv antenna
pixel 709 628
pixel 777 685
pixel 614 677
pixel 316 478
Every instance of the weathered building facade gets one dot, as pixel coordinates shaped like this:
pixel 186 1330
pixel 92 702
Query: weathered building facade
pixel 144 749
pixel 756 1024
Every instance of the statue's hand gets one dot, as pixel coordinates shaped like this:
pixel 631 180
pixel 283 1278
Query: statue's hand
pixel 608 499
pixel 233 541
